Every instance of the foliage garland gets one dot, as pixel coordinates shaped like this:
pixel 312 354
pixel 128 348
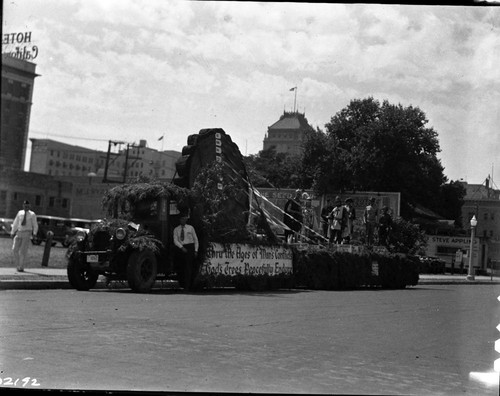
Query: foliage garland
pixel 137 239
pixel 118 197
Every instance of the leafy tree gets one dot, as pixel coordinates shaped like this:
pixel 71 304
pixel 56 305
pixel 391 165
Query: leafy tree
pixel 450 200
pixel 378 147
pixel 271 169
pixel 407 237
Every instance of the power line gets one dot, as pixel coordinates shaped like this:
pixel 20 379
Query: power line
pixel 69 137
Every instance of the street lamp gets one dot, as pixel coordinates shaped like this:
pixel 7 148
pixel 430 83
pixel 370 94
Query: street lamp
pixel 473 224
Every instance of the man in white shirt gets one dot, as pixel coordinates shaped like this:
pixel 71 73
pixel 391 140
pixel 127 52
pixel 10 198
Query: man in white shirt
pixel 186 241
pixel 23 228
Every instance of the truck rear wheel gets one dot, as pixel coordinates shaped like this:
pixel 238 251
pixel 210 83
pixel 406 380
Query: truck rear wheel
pixel 80 277
pixel 142 270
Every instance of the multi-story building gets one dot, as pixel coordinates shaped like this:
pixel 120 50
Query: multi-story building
pixel 51 157
pixel 18 77
pixel 482 201
pixel 47 195
pixel 287 134
pixel 144 161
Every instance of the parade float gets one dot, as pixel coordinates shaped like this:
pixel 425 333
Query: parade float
pixel 239 246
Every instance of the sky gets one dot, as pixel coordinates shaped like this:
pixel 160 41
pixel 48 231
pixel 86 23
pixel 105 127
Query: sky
pixel 142 69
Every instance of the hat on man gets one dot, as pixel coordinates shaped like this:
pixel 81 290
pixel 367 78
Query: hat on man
pixel 338 200
pixel 349 200
pixel 26 202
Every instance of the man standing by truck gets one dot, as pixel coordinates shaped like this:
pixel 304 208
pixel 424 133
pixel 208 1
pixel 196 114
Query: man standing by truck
pixel 23 228
pixel 186 241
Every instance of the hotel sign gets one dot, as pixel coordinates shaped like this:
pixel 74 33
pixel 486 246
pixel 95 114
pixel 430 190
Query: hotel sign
pixel 18 45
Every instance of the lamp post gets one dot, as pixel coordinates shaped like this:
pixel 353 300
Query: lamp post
pixel 473 224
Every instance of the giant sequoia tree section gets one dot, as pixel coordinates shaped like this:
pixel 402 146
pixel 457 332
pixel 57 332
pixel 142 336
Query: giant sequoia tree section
pixel 209 150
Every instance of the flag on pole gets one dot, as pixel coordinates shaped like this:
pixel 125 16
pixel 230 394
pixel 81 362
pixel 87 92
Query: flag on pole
pixel 293 89
pixel 160 138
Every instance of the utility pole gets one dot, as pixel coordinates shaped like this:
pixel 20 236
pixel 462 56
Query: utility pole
pixel 126 165
pixel 108 156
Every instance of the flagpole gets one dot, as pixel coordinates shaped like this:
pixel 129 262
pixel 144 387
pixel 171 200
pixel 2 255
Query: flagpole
pixel 295 100
pixel 162 140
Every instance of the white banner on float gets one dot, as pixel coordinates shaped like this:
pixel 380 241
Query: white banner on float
pixel 243 259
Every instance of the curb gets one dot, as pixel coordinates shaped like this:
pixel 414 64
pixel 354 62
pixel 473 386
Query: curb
pixel 63 284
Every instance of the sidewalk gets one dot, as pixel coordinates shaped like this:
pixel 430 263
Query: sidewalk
pixel 56 278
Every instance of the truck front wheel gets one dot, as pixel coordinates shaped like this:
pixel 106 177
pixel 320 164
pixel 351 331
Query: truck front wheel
pixel 79 276
pixel 142 270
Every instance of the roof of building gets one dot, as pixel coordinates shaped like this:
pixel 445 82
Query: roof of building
pixel 480 192
pixel 20 65
pixel 54 144
pixel 291 120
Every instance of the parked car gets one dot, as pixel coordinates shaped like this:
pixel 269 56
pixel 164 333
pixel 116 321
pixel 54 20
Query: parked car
pixel 5 227
pixel 63 229
pixel 76 225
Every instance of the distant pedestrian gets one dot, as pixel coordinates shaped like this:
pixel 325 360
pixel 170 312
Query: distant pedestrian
pixel 337 221
pixel 324 217
pixel 186 241
pixel 24 227
pixel 370 218
pixel 384 227
pixel 293 216
pixel 350 217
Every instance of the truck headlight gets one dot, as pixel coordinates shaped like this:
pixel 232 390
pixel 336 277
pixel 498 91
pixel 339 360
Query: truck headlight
pixel 120 234
pixel 80 236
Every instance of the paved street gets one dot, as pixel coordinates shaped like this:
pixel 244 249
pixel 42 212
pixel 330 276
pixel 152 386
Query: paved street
pixel 424 340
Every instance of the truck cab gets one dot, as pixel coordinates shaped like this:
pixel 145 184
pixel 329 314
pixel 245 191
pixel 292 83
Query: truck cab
pixel 134 245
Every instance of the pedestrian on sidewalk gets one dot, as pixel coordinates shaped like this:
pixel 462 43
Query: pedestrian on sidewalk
pixel 186 241
pixel 24 227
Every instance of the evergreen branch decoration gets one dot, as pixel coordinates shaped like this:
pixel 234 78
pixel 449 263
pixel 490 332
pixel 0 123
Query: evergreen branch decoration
pixel 120 201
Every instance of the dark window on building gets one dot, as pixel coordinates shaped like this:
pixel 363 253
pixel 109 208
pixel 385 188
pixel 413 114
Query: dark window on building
pixel 38 200
pixel 491 233
pixel 52 152
pixel 492 216
pixel 25 91
pixel 486 216
pixel 10 87
pixel 485 233
pixel 51 201
pixel 65 202
pixel 72 156
pixel 14 196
